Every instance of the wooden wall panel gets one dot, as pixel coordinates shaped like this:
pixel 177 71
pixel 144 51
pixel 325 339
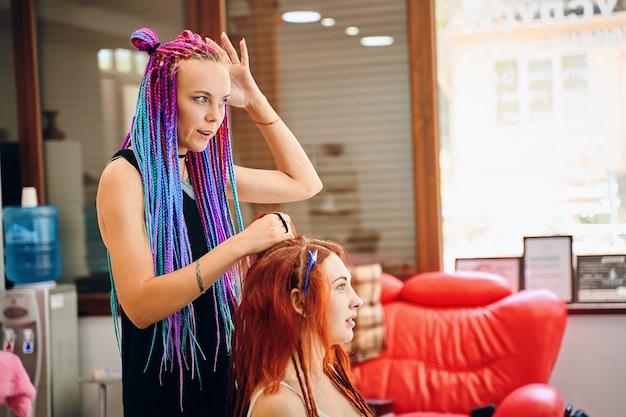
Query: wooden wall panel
pixel 27 93
pixel 207 17
pixel 424 114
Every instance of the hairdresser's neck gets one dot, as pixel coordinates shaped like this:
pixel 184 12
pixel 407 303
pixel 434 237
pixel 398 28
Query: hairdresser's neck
pixel 182 166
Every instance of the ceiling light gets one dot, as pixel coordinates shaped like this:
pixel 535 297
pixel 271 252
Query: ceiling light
pixel 328 22
pixel 352 31
pixel 376 40
pixel 301 16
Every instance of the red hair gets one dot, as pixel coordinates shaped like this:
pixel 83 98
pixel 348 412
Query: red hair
pixel 269 331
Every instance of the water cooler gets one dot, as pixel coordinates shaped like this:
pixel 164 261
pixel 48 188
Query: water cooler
pixel 40 325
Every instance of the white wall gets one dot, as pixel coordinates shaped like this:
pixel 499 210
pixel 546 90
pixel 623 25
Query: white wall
pixel 590 371
pixel 591 368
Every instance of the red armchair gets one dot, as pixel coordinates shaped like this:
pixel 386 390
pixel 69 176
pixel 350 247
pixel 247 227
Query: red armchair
pixel 455 342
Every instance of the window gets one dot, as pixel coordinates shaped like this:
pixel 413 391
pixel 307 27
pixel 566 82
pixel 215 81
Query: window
pixel 349 106
pixel 532 125
pixel 348 103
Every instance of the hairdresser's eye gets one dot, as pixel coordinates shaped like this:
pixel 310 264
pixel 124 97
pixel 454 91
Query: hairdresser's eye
pixel 342 286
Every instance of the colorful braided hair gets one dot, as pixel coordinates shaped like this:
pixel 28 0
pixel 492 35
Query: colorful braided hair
pixel 153 137
pixel 266 310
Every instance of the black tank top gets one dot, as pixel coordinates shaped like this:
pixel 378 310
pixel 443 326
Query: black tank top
pixel 148 391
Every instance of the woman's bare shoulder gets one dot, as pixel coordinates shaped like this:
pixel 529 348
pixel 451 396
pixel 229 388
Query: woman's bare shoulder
pixel 119 199
pixel 283 403
pixel 118 175
pixel 118 166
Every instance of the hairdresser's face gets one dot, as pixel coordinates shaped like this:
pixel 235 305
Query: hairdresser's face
pixel 203 89
pixel 343 300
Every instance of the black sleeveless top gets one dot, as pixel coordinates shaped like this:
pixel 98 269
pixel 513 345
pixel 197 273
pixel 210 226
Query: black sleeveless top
pixel 149 391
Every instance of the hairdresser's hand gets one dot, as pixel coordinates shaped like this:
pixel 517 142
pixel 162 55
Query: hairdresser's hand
pixel 265 232
pixel 244 89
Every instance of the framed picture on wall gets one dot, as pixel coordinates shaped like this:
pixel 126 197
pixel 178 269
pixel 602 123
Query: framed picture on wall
pixel 548 263
pixel 600 278
pixel 510 268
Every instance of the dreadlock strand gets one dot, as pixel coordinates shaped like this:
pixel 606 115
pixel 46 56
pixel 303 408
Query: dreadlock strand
pixel 163 199
pixel 217 220
pixel 302 374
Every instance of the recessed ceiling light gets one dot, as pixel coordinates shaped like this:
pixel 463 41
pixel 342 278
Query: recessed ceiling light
pixel 376 40
pixel 352 31
pixel 328 22
pixel 301 16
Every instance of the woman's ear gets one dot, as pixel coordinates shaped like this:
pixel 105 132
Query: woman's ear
pixel 297 301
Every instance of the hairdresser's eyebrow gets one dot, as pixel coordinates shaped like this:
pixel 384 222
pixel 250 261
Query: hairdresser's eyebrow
pixel 340 278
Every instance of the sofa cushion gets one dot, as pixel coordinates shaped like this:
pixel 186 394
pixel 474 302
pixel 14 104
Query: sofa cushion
pixel 390 287
pixel 369 332
pixel 447 290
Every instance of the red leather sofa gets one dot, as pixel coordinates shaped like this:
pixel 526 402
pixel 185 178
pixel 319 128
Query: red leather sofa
pixel 456 342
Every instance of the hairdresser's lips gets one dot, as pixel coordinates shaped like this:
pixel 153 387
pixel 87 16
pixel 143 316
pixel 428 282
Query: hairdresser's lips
pixel 206 134
pixel 351 322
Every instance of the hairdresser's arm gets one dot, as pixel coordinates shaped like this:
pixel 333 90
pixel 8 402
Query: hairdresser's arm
pixel 147 299
pixel 295 177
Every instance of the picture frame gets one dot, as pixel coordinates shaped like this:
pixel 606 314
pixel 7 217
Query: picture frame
pixel 548 263
pixel 600 278
pixel 508 267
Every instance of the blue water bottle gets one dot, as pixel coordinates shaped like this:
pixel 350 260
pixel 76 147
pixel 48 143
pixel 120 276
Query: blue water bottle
pixel 32 253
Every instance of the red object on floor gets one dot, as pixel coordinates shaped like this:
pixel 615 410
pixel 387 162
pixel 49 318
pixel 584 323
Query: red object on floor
pixel 454 342
pixel 16 390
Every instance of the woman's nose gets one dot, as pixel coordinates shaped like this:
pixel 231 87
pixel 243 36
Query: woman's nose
pixel 214 111
pixel 212 114
pixel 357 302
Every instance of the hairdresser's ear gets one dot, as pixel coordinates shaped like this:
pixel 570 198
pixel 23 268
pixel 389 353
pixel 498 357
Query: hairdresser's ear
pixel 297 301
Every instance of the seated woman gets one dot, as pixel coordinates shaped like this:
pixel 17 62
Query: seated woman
pixel 297 309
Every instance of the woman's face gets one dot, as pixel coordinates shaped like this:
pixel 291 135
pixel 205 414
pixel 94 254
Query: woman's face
pixel 343 300
pixel 202 91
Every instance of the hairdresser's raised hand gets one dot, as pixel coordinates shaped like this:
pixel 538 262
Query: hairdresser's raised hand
pixel 244 89
pixel 265 231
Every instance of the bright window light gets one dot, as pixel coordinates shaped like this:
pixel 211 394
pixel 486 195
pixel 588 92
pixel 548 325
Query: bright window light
pixel 105 59
pixel 123 60
pixel 352 31
pixel 328 22
pixel 141 59
pixel 301 17
pixel 376 40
